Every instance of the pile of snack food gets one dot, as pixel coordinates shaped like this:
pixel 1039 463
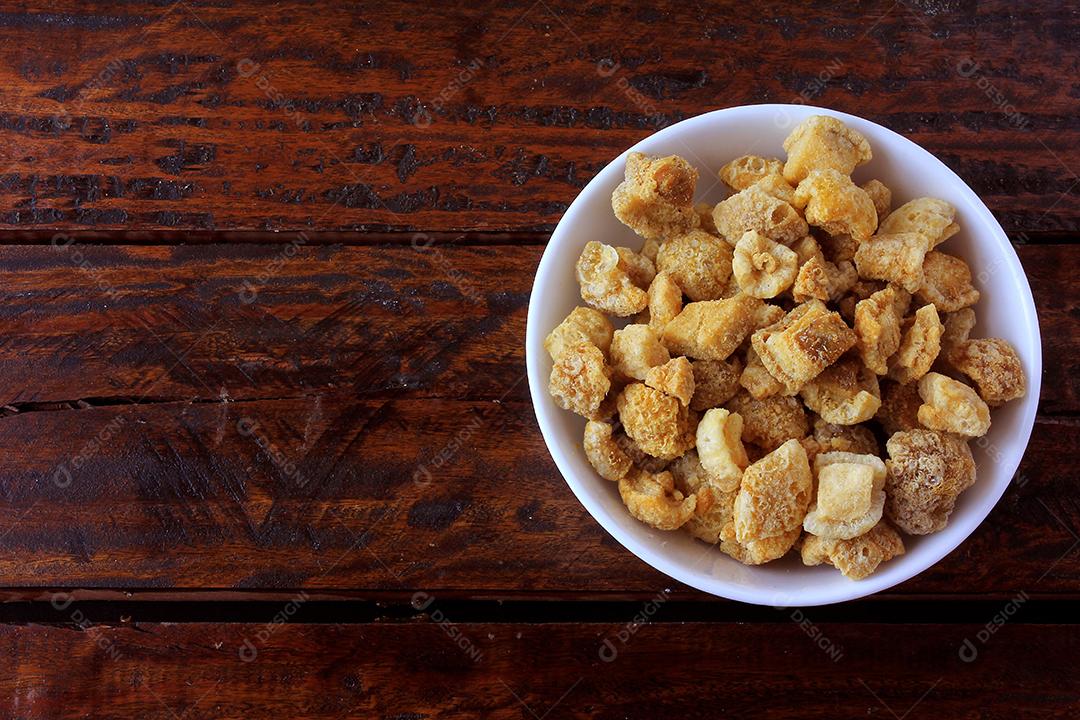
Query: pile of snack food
pixel 776 341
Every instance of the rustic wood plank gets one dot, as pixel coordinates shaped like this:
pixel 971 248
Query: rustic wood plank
pixel 225 115
pixel 175 323
pixel 331 493
pixel 111 324
pixel 795 669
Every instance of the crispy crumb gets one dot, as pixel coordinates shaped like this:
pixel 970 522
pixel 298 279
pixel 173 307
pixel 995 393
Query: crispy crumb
pixel 994 367
pixel 774 494
pixel 919 346
pixel 715 382
pixel 583 324
pixel 580 379
pixel 656 198
pixel 653 499
pixel 711 329
pixel 932 218
pixel 699 263
pixel 604 453
pixel 946 283
pixel 675 378
pixel 858 557
pixel 821 141
pixel 805 342
pixel 754 209
pixel 606 283
pixel 835 204
pixel 770 421
pixel 927 472
pixel 658 423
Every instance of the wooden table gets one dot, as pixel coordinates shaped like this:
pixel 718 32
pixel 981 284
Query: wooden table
pixel 264 264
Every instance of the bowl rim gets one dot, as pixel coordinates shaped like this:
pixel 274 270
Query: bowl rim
pixel 645 551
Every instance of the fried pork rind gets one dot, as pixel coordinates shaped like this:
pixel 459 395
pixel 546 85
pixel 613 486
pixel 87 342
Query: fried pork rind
pixel 871 460
pixel 994 367
pixel 850 496
pixel 583 324
pixel 606 281
pixel 835 204
pixel 856 439
pixel 806 341
pixel 705 221
pixel 715 382
pixel 840 247
pixel 690 477
pixel 649 249
pixel 927 472
pixel 714 506
pixel 638 457
pixel 742 172
pixel 653 499
pixel 635 349
pixel 958 326
pixel 755 209
pixel 770 422
pixel 900 405
pixel 951 406
pixel 894 257
pixel 878 320
pixel 720 448
pixel 930 217
pixel 818 525
pixel 819 279
pixel 712 515
pixel 858 557
pixel 699 263
pixel 807 248
pixel 919 346
pixel 604 453
pixel 639 268
pixel 947 283
pixel 665 301
pixel 757 552
pixel 861 290
pixel 812 282
pixel 774 494
pixel 658 423
pixel 756 379
pixel 763 268
pixel 711 329
pixel 766 315
pixel 656 198
pixel 844 491
pixel 823 142
pixel 675 378
pixel 842 277
pixel 580 379
pixel 880 195
pixel 774 184
pixel 845 393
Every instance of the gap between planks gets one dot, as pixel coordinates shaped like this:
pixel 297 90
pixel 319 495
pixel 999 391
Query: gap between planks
pixel 1033 609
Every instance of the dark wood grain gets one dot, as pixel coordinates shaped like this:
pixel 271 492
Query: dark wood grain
pixel 222 115
pixel 789 669
pixel 115 324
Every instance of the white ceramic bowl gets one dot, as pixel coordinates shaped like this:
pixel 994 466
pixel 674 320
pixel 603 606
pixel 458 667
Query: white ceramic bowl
pixel 1005 310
